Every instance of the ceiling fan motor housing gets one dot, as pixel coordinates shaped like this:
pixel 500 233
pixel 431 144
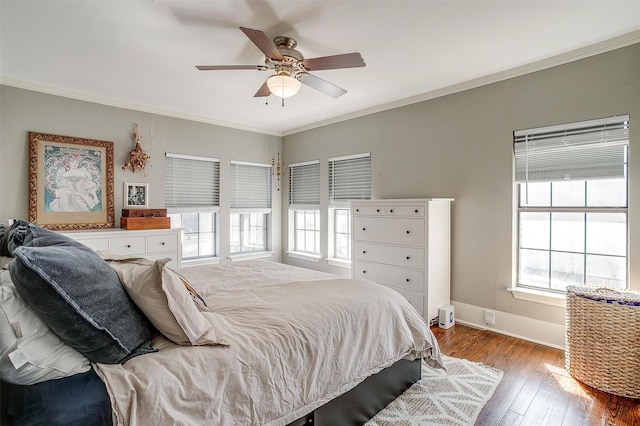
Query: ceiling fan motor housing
pixel 286 46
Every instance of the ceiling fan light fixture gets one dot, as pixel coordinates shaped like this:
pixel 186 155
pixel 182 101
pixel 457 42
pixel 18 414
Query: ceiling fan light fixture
pixel 283 85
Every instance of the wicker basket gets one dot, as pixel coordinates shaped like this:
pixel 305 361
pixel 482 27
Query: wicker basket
pixel 603 339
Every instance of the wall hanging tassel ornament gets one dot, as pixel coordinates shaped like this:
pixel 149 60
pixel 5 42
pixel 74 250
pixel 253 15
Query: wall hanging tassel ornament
pixel 137 159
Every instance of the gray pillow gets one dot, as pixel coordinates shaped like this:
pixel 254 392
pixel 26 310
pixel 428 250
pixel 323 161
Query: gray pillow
pixel 4 240
pixel 79 296
pixel 18 234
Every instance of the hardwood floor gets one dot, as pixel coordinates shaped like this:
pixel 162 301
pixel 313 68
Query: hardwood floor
pixel 536 389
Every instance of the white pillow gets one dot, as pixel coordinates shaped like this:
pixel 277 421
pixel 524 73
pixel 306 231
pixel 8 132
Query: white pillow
pixel 45 356
pixel 4 261
pixel 164 298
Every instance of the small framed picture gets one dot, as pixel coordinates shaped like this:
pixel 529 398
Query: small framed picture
pixel 136 195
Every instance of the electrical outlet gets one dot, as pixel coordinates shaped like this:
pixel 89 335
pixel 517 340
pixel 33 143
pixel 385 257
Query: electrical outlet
pixel 489 317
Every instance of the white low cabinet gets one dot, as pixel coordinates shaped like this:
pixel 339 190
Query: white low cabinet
pixel 151 243
pixel 405 245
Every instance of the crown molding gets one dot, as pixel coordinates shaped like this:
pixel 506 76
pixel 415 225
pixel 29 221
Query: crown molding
pixel 564 58
pixel 81 96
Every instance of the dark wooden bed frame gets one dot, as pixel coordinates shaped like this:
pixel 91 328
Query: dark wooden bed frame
pixel 354 407
pixel 364 401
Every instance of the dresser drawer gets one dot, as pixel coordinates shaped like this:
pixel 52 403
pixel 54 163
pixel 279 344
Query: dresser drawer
pixel 162 243
pixel 409 257
pixel 414 298
pixel 151 244
pixel 368 210
pixel 388 275
pixel 389 230
pixel 415 211
pixel 128 245
pixel 96 243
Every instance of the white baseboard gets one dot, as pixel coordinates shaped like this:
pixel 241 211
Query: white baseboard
pixel 532 330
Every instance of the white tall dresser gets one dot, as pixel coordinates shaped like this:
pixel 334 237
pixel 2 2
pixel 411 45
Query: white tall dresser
pixel 405 245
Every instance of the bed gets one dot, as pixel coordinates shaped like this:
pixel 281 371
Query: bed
pixel 251 342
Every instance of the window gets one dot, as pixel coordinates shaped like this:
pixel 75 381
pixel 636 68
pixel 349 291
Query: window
pixel 250 207
pixel 198 235
pixel 248 232
pixel 307 231
pixel 304 207
pixel 571 184
pixel 341 233
pixel 349 179
pixel 192 198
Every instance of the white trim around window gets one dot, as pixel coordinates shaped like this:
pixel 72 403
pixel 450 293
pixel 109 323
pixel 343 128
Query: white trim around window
pixel 304 256
pixel 571 208
pixel 536 296
pixel 178 210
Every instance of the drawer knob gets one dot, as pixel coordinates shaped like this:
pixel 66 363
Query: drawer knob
pixel 364 272
pixel 416 210
pixel 128 245
pixel 391 211
pixel 407 280
pixel 364 229
pixel 357 210
pixel 364 252
pixel 408 232
pixel 408 257
pixel 162 243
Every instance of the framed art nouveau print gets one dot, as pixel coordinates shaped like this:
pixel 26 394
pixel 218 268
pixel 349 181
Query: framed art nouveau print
pixel 70 182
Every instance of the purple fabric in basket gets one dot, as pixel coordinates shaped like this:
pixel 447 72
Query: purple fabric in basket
pixel 611 301
pixel 606 295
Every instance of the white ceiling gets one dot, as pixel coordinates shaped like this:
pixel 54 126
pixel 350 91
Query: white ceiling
pixel 141 54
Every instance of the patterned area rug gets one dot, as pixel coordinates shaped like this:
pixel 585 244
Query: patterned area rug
pixel 452 397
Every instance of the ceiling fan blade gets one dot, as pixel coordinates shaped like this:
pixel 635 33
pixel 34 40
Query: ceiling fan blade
pixel 322 85
pixel 229 67
pixel 346 60
pixel 262 91
pixel 261 40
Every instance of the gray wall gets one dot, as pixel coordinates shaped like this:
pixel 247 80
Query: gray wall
pixel 460 146
pixel 22 111
pixel 456 146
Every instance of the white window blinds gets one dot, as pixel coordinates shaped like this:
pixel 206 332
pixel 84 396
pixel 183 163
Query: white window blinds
pixel 304 184
pixel 191 181
pixel 350 178
pixel 577 151
pixel 250 185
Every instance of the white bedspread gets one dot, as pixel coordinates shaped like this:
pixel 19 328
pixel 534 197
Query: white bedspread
pixel 293 346
pixel 248 274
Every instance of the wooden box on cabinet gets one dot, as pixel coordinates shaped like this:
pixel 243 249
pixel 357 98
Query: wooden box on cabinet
pixel 405 245
pixel 144 212
pixel 145 222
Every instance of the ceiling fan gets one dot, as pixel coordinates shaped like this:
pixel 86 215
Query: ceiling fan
pixel 289 66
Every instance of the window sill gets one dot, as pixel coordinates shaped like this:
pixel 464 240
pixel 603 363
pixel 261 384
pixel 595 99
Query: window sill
pixel 247 256
pixel 196 262
pixel 539 296
pixel 341 263
pixel 304 256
